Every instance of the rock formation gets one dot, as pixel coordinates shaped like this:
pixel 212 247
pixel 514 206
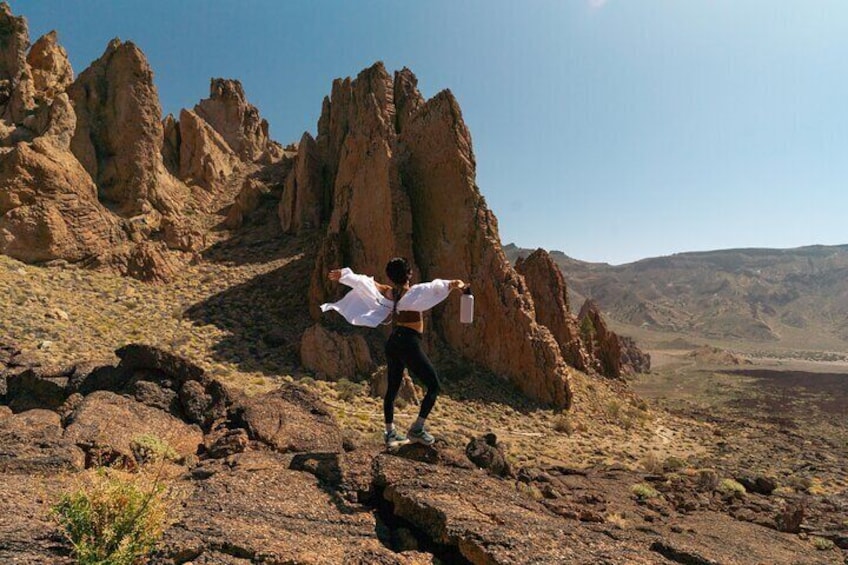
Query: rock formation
pixel 48 202
pixel 51 69
pixel 603 344
pixel 16 83
pixel 269 478
pixel 398 175
pixel 238 122
pixel 550 298
pixel 119 134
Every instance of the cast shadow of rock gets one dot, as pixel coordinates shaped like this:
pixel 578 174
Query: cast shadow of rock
pixel 263 319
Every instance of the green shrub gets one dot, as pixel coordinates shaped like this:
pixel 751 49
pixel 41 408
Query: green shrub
pixel 347 390
pixel 644 491
pixel 822 544
pixel 731 487
pixel 114 520
pixel 150 447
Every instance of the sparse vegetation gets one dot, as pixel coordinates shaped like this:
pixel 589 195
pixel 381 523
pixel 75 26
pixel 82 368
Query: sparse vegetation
pixel 563 424
pixel 644 491
pixel 347 390
pixel 729 487
pixel 115 519
pixel 822 544
pixel 149 447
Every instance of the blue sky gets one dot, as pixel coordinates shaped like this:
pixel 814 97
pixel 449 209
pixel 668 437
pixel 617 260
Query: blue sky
pixel 610 130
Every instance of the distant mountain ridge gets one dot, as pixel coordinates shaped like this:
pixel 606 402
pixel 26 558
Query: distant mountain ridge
pixel 783 296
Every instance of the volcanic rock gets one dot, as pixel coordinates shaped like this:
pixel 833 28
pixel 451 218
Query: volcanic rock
pixel 205 159
pixel 603 344
pixel 333 355
pixel 237 121
pixel 51 69
pixel 32 442
pixel 48 203
pixel 485 452
pixel 550 299
pixel 119 134
pixel 16 83
pixel 289 419
pixel 382 182
pixel 105 425
pixel 302 206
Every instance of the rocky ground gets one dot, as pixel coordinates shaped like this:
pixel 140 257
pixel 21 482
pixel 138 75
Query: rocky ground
pixel 622 478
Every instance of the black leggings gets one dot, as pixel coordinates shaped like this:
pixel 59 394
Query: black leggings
pixel 403 349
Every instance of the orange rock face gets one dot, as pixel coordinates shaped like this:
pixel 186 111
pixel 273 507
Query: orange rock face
pixel 119 134
pixel 51 70
pixel 550 297
pixel 237 121
pixel 16 84
pixel 400 179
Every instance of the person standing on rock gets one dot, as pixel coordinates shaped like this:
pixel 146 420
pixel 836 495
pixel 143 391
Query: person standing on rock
pixel 369 304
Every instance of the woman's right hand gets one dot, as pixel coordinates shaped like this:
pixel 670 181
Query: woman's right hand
pixel 457 284
pixel 335 275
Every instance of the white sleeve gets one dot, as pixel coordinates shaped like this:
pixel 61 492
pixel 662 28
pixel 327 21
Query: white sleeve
pixel 361 283
pixel 363 305
pixel 424 296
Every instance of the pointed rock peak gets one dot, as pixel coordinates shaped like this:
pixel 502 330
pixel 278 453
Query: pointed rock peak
pixel 226 89
pixel 407 98
pixel 236 120
pixel 51 69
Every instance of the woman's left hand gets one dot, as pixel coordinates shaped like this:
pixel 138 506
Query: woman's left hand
pixel 457 284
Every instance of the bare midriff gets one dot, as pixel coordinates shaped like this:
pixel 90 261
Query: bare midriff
pixel 411 320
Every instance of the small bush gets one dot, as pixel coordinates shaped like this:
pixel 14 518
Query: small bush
pixel 651 464
pixel 563 424
pixel 822 544
pixel 644 491
pixel 114 520
pixel 347 391
pixel 672 464
pixel 731 488
pixel 707 480
pixel 150 447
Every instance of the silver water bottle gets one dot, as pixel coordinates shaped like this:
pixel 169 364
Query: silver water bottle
pixel 466 306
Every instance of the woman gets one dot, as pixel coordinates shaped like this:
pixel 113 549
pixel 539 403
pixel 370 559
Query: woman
pixel 369 304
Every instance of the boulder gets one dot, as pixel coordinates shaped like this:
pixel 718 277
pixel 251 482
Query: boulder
pixel 147 261
pixel 180 234
pixel 550 299
pixel 106 425
pixel 408 392
pixel 333 355
pixel 38 387
pixel 485 452
pixel 31 443
pixel 633 359
pixel 247 200
pixel 290 418
pixel 51 69
pixel 48 205
pixel 118 137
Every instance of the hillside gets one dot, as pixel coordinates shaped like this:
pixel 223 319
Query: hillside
pixel 774 298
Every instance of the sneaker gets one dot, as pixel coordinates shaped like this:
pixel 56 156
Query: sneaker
pixel 394 438
pixel 420 436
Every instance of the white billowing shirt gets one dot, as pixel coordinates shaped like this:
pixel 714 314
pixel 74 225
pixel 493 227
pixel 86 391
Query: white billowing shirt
pixel 366 306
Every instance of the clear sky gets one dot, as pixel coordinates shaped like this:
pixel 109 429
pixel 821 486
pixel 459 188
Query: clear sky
pixel 611 130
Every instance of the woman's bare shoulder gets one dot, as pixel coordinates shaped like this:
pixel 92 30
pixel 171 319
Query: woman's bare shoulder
pixel 384 289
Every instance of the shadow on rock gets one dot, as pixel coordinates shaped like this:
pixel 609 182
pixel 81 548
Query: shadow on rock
pixel 263 334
